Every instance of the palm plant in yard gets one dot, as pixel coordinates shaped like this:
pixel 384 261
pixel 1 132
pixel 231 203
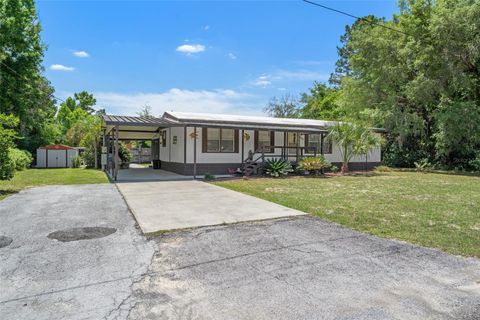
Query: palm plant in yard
pixel 277 167
pixel 352 140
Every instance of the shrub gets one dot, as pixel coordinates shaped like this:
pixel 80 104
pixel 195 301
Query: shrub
pixel 7 136
pixel 277 167
pixel 76 162
pixel 208 177
pixel 313 164
pixel 423 166
pixel 475 164
pixel 7 167
pixel 333 169
pixel 21 158
pixel 383 169
pixel 124 153
pixel 88 157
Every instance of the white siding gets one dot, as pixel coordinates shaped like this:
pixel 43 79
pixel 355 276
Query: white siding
pixel 71 153
pixel 174 152
pixel 41 158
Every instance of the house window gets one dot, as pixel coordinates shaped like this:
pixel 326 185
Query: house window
pixel 315 140
pixel 220 140
pixel 264 138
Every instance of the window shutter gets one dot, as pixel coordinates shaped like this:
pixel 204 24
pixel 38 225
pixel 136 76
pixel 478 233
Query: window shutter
pixel 235 137
pixel 204 140
pixel 255 141
pixel 306 144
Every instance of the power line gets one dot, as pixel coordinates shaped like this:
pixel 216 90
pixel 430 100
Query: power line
pixel 24 79
pixel 356 17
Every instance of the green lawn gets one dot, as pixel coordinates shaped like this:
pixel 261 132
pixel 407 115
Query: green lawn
pixel 430 209
pixel 40 177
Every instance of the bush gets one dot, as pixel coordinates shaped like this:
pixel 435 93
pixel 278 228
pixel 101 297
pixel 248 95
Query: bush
pixel 7 136
pixel 383 169
pixel 423 166
pixel 313 164
pixel 21 158
pixel 277 167
pixel 7 167
pixel 76 162
pixel 475 164
pixel 333 169
pixel 208 177
pixel 124 153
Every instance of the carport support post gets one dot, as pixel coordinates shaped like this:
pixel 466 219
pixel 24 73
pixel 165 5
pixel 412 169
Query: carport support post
pixel 104 144
pixel 116 154
pixel 321 148
pixel 195 153
pixel 96 153
pixel 243 145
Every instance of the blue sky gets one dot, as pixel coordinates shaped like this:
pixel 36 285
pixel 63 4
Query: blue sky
pixel 216 56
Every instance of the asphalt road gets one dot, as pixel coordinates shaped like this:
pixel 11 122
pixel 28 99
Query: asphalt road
pixel 42 278
pixel 302 268
pixel 292 268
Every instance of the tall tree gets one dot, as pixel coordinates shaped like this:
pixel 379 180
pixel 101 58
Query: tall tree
pixel 286 106
pixel 145 112
pixel 85 101
pixel 421 83
pixel 321 103
pixel 24 92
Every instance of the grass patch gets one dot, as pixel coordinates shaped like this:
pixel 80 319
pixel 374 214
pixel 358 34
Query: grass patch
pixel 430 209
pixel 40 177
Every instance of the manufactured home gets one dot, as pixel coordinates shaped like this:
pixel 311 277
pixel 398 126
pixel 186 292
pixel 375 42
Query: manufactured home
pixel 196 143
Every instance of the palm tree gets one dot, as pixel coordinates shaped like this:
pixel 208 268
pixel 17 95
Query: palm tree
pixel 352 139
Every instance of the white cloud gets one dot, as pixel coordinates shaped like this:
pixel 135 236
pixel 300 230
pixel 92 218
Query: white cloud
pixel 288 76
pixel 206 101
pixel 61 67
pixel 191 48
pixel 81 54
pixel 232 56
pixel 263 81
pixel 300 75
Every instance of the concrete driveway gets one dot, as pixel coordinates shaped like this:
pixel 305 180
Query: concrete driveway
pixel 169 205
pixel 42 278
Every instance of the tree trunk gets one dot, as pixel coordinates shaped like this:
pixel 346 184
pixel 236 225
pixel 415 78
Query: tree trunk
pixel 344 167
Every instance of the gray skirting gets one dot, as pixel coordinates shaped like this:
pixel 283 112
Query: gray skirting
pixel 222 168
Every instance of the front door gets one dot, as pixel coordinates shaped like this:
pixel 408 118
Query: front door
pixel 292 141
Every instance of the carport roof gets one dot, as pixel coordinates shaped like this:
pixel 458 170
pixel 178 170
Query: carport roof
pixel 111 120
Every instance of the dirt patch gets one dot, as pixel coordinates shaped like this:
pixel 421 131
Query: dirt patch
pixel 86 233
pixel 5 241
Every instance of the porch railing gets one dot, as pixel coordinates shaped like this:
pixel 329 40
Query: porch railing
pixel 299 152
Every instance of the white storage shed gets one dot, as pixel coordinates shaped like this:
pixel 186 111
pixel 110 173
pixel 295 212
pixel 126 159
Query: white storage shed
pixel 56 156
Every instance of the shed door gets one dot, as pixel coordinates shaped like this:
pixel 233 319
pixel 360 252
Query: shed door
pixel 56 158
